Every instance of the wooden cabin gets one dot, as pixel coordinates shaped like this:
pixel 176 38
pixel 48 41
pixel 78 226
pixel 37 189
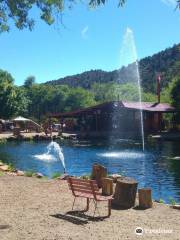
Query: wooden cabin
pixel 118 118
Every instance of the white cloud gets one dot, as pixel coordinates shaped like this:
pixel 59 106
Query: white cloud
pixel 170 3
pixel 84 32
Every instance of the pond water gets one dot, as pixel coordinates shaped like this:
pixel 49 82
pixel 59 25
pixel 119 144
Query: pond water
pixel 158 167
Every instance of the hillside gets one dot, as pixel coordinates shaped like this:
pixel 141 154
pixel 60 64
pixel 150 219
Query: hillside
pixel 166 62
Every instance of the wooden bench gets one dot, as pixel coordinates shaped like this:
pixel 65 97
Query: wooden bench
pixel 88 189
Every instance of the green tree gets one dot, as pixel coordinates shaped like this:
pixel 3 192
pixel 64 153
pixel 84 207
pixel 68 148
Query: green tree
pixel 127 92
pixel 19 11
pixel 37 96
pixel 21 102
pixel 113 92
pixel 149 97
pixel 175 93
pixel 55 99
pixel 176 97
pixel 29 81
pixel 104 92
pixel 79 98
pixel 44 99
pixel 12 99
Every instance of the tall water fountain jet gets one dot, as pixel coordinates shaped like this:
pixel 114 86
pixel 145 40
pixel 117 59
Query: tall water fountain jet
pixel 128 55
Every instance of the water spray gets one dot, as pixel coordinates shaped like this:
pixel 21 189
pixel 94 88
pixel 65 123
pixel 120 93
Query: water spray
pixel 129 54
pixel 54 146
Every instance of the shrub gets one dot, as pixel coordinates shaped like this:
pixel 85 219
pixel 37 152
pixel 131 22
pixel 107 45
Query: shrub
pixel 29 174
pixel 172 201
pixel 2 141
pixel 161 200
pixel 56 175
pixel 44 177
pixel 85 177
pixel 11 167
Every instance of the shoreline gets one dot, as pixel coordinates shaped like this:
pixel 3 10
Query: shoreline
pixel 33 136
pixel 9 169
pixel 5 169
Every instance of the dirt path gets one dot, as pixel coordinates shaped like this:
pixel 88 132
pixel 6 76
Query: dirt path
pixel 35 209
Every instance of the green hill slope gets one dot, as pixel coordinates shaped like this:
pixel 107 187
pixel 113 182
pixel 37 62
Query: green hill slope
pixel 166 62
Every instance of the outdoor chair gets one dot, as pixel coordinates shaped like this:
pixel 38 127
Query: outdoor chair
pixel 88 189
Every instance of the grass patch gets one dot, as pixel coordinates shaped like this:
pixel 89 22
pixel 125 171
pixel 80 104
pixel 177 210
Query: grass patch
pixel 1 174
pixel 161 200
pixel 172 201
pixel 85 177
pixel 56 175
pixel 44 178
pixel 3 141
pixel 11 167
pixel 29 174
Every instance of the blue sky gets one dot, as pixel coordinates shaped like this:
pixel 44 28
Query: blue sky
pixel 89 39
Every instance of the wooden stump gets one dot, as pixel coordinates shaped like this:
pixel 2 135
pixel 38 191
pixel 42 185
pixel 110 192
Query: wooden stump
pixel 125 193
pixel 98 172
pixel 107 186
pixel 145 198
pixel 115 177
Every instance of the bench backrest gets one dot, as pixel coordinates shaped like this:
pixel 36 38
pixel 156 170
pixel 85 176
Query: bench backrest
pixel 83 186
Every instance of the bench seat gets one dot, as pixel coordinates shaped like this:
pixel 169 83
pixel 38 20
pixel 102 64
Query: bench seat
pixel 88 189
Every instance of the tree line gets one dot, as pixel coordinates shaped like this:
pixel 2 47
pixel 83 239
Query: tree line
pixel 166 62
pixel 38 100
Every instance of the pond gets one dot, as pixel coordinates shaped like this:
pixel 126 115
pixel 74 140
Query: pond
pixel 157 167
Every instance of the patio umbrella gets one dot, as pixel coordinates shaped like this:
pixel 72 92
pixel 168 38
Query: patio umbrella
pixel 21 119
pixel 25 120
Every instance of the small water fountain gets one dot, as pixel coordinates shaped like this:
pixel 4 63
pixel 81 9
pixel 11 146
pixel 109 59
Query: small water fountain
pixel 54 146
pixel 54 152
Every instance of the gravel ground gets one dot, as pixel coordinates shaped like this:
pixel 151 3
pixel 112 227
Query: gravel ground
pixel 36 209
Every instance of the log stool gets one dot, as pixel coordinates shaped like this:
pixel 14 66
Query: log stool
pixel 98 172
pixel 145 198
pixel 107 186
pixel 125 193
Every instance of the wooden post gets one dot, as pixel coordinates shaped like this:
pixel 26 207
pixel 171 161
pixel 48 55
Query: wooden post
pixel 96 122
pixel 145 198
pixel 125 193
pixel 107 186
pixel 98 172
pixel 16 131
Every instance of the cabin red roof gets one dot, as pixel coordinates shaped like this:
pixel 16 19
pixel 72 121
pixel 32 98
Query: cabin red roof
pixel 150 107
pixel 110 106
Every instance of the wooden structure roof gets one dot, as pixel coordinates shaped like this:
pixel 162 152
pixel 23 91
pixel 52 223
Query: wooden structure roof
pixel 118 105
